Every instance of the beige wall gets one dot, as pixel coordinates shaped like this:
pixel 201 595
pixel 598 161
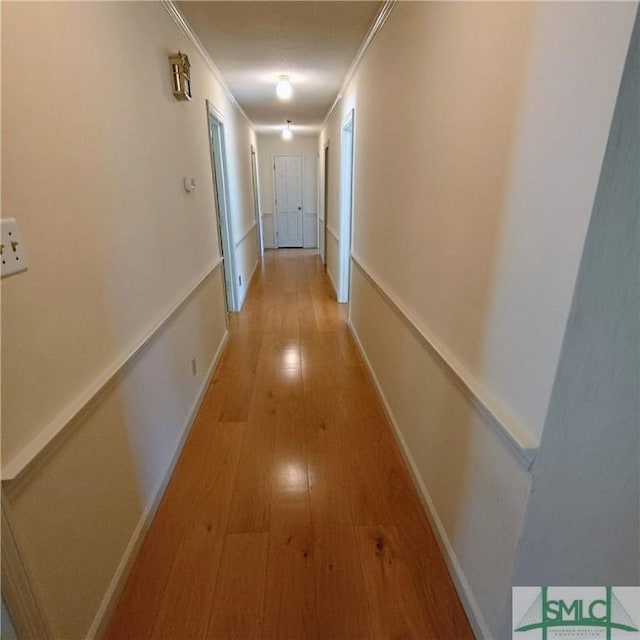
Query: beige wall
pixel 94 150
pixel 94 169
pixel 303 145
pixel 587 476
pixel 480 130
pixel 453 181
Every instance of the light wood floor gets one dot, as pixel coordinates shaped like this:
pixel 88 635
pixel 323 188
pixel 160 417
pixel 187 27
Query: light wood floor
pixel 290 513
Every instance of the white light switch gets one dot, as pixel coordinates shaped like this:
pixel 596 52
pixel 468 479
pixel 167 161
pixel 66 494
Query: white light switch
pixel 14 257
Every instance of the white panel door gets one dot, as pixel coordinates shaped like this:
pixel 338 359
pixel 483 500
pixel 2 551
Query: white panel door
pixel 288 178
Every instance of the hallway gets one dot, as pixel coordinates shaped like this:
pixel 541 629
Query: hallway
pixel 290 513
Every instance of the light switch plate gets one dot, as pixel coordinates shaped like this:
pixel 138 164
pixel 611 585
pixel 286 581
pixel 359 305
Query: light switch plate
pixel 14 257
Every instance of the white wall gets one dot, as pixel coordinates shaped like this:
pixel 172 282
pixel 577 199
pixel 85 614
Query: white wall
pixel 94 151
pixel 480 130
pixel 270 145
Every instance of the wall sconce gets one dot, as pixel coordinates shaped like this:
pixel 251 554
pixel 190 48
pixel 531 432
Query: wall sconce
pixel 181 75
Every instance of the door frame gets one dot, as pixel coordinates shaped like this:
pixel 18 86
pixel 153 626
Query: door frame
pixel 217 152
pixel 256 199
pixel 325 198
pixel 275 198
pixel 18 591
pixel 347 146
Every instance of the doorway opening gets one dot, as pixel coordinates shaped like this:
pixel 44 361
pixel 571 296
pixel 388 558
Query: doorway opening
pixel 288 194
pixel 346 207
pixel 219 171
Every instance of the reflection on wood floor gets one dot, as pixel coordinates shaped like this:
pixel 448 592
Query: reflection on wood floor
pixel 290 513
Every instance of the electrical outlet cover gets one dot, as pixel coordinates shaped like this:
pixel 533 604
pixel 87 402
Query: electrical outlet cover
pixel 14 257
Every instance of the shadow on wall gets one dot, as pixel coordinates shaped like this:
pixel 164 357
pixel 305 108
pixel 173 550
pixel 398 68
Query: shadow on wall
pixel 582 525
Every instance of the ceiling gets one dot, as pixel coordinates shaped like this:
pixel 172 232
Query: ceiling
pixel 252 43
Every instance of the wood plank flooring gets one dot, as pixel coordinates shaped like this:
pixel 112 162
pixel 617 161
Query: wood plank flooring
pixel 290 514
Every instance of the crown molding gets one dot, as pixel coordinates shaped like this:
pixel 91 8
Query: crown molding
pixel 376 27
pixel 184 26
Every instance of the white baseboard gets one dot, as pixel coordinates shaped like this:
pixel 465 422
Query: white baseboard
pixel 249 281
pixel 469 602
pixel 333 284
pixel 114 590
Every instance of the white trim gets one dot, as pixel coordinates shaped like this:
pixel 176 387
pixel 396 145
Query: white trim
pixel 520 441
pixel 118 581
pixel 220 181
pixel 249 281
pixel 333 234
pixel 311 218
pixel 347 161
pixel 303 188
pixel 469 602
pixel 22 600
pixel 94 391
pixel 266 240
pixel 188 31
pixel 213 110
pixel 255 184
pixel 323 211
pixel 333 284
pixel 321 248
pixel 252 274
pixel 318 201
pixel 253 225
pixel 375 29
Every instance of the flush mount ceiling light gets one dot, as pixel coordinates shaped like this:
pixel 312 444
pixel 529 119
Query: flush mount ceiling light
pixel 287 134
pixel 284 89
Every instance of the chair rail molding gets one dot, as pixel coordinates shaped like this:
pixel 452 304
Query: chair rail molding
pixel 514 434
pixel 89 396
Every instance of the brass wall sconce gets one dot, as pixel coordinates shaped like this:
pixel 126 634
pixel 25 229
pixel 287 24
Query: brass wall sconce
pixel 181 75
